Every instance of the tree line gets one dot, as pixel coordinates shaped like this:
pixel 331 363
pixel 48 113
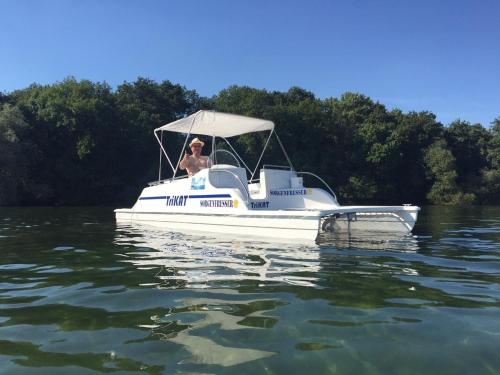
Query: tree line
pixel 84 143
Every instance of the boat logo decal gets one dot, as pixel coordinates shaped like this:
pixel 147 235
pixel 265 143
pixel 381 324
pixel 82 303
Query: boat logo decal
pixel 289 192
pixel 198 183
pixel 259 204
pixel 176 200
pixel 180 200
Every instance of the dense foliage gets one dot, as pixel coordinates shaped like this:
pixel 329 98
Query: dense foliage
pixel 82 143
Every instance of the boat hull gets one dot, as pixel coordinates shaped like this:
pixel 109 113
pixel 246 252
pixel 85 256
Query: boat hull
pixel 281 226
pixel 291 225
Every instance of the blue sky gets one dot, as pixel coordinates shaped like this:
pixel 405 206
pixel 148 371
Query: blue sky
pixel 442 56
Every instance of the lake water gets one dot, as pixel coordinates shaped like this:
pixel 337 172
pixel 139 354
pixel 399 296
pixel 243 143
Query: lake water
pixel 79 295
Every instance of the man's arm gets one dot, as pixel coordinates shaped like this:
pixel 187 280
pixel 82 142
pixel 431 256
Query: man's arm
pixel 184 162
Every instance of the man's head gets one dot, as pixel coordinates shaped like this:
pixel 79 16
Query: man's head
pixel 196 146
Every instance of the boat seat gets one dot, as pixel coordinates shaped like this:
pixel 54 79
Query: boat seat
pixel 271 179
pixel 276 179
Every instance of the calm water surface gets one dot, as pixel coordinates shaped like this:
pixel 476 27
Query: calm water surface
pixel 79 295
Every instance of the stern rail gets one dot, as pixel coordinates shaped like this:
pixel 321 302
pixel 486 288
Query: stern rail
pixel 324 183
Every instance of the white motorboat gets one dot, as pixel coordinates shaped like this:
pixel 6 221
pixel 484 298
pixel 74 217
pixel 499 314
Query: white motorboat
pixel 222 199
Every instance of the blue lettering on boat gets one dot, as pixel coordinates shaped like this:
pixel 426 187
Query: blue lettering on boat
pixel 288 192
pixel 176 200
pixel 259 204
pixel 216 203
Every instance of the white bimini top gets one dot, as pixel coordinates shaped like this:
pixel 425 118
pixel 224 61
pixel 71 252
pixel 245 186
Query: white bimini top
pixel 217 124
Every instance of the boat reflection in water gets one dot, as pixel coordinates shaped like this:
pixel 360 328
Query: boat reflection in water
pixel 201 260
pixel 212 270
pixel 369 241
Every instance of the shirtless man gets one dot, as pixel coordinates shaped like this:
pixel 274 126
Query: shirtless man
pixel 195 162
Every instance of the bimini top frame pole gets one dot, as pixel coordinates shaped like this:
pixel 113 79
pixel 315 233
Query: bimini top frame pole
pixel 160 142
pixel 261 155
pixel 265 147
pixel 163 149
pixel 184 146
pixel 159 167
pixel 284 151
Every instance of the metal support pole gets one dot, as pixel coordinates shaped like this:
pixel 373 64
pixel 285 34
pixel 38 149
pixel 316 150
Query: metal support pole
pixel 159 168
pixel 184 146
pixel 164 152
pixel 284 151
pixel 213 150
pixel 239 157
pixel 262 154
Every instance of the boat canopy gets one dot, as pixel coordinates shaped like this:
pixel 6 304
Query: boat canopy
pixel 217 124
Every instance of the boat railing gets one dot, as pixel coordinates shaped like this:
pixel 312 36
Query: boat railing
pixel 158 182
pixel 166 180
pixel 244 186
pixel 271 166
pixel 323 181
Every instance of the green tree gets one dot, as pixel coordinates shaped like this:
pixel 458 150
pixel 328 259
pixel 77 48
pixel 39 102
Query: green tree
pixel 414 133
pixel 14 180
pixel 3 98
pixel 343 155
pixel 441 164
pixel 469 144
pixel 490 185
pixel 494 145
pixel 71 127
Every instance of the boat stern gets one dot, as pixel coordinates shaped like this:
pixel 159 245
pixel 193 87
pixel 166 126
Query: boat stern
pixel 395 219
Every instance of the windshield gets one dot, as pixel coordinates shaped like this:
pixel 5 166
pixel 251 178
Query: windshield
pixel 224 157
